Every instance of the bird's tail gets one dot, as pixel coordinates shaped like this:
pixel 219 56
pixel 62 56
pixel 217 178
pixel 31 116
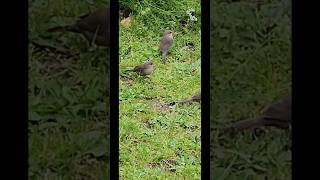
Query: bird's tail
pixel 282 124
pixel 128 70
pixel 245 124
pixel 184 101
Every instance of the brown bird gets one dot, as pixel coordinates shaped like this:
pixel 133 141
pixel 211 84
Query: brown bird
pixel 144 69
pixel 195 98
pixel 165 44
pixel 276 115
pixel 95 27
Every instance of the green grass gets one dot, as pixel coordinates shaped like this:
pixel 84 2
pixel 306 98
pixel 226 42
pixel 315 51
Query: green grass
pixel 68 131
pixel 250 69
pixel 67 93
pixel 158 141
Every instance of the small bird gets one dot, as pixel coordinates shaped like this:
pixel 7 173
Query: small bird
pixel 277 115
pixel 195 98
pixel 95 27
pixel 144 69
pixel 165 44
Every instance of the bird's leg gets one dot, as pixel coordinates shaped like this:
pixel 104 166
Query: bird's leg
pixel 164 58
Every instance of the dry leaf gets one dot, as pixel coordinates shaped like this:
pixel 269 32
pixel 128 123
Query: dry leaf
pixel 126 22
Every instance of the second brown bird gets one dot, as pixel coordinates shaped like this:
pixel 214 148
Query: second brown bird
pixel 277 115
pixel 165 44
pixel 195 98
pixel 144 69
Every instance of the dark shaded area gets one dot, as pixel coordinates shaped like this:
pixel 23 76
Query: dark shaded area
pixel 68 124
pixel 250 70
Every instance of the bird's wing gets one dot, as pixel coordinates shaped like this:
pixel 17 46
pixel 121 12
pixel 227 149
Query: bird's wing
pixel 138 68
pixel 197 97
pixel 245 124
pixel 280 110
pixel 165 44
pixel 90 22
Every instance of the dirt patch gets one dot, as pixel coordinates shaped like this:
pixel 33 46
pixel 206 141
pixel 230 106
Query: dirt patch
pixel 160 106
pixel 148 124
pixel 127 80
pixel 167 164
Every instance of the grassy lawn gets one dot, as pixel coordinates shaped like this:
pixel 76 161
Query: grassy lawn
pixel 250 69
pixel 159 141
pixel 67 96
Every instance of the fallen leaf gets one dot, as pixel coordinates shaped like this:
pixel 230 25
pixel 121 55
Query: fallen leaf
pixel 126 22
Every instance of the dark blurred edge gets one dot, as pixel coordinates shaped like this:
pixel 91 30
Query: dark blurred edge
pixel 23 29
pixel 14 91
pixel 305 94
pixel 293 64
pixel 114 90
pixel 304 101
pixel 205 89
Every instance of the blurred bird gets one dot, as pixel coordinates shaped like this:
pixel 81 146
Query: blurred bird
pixel 277 115
pixel 144 69
pixel 94 26
pixel 165 44
pixel 195 98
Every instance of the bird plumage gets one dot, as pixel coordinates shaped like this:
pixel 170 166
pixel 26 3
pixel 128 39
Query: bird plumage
pixel 144 69
pixel 277 115
pixel 94 26
pixel 195 98
pixel 165 44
